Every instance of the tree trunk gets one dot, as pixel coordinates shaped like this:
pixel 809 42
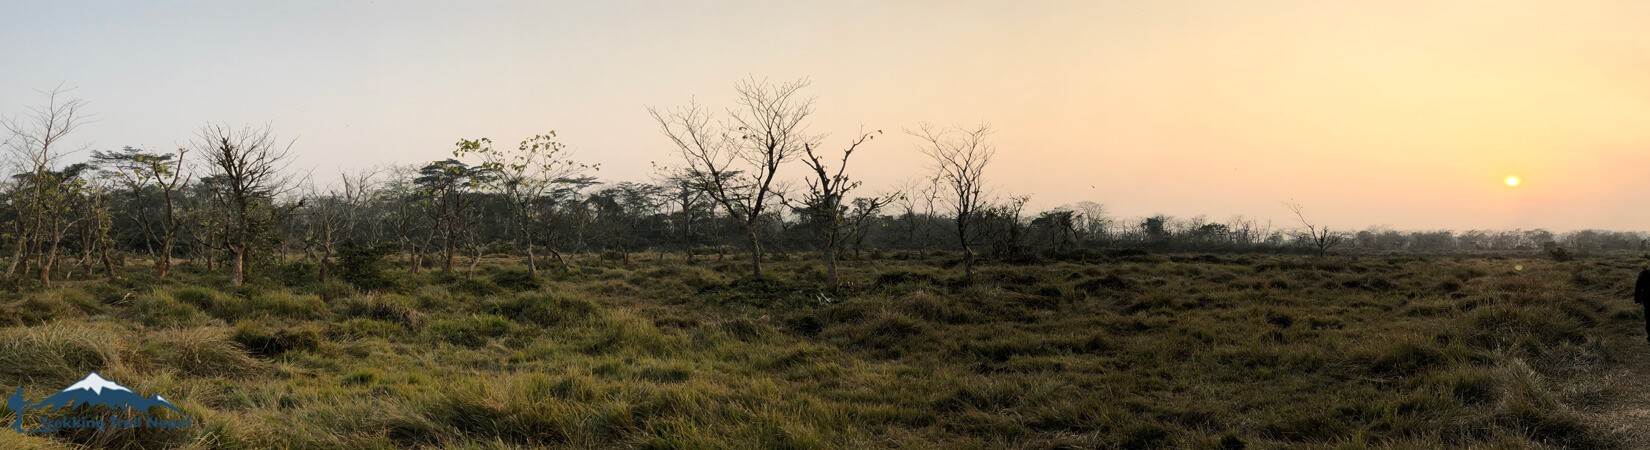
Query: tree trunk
pixel 968 254
pixel 48 260
pixel 85 253
pixel 831 281
pixel 163 267
pixel 756 253
pixel 108 262
pixel 451 251
pixel 532 263
pixel 474 260
pixel 239 254
pixel 326 260
pixel 559 260
pixel 17 255
pixel 833 241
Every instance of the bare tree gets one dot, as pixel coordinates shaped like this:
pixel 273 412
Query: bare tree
pixel 740 158
pixel 1317 236
pixel 248 166
pixel 334 216
pixel 684 192
pixel 1094 224
pixel 36 144
pixel 95 219
pixel 358 191
pixel 916 204
pixel 960 156
pixel 826 191
pixel 407 214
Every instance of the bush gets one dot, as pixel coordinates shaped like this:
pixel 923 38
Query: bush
pixel 1557 252
pixel 363 266
pixel 298 273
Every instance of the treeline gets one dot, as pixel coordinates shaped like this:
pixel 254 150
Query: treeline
pixel 1240 234
pixel 228 201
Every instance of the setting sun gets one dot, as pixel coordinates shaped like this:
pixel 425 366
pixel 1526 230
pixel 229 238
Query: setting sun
pixel 1512 181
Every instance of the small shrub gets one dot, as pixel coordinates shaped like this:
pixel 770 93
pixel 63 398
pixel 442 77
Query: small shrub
pixel 298 273
pixel 1557 252
pixel 363 266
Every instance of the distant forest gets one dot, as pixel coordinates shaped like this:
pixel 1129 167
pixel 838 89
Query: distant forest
pixel 750 180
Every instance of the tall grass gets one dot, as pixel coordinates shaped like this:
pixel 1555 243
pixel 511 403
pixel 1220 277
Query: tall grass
pixel 1190 351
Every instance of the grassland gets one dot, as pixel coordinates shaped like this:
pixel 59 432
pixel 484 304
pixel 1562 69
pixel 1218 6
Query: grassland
pixel 1128 351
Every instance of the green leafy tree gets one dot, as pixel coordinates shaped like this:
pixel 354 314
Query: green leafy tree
pixel 537 168
pixel 448 187
pixel 141 173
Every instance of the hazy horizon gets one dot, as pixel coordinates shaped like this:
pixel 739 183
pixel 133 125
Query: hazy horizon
pixel 1407 114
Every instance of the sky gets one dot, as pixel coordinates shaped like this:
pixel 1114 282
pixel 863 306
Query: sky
pixel 1402 113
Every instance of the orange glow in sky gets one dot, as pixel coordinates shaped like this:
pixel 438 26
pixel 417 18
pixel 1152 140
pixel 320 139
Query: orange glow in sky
pixel 1366 112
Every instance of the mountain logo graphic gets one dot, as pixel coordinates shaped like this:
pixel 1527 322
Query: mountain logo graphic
pixel 89 391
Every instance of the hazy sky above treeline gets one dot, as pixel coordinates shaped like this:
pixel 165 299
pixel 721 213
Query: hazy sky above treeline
pixel 1406 113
